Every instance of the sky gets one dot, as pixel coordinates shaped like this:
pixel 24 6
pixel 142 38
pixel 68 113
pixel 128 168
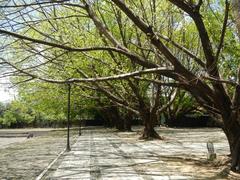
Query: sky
pixel 7 94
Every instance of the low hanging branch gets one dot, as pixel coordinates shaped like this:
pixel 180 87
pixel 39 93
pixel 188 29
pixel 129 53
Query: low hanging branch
pixel 96 79
pixel 117 77
pixel 161 83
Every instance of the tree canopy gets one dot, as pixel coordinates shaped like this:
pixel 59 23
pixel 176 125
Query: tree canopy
pixel 137 54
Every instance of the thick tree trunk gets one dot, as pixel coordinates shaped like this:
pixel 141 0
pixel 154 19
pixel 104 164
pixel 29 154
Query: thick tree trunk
pixel 149 132
pixel 128 122
pixel 235 155
pixel 128 125
pixel 120 124
pixel 108 120
pixel 232 131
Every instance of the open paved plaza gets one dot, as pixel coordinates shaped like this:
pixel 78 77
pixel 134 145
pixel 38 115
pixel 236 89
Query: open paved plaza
pixel 112 155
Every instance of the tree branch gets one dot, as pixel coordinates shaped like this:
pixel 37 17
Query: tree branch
pixel 33 4
pixel 220 46
pixel 185 50
pixel 97 79
pixel 163 108
pixel 130 55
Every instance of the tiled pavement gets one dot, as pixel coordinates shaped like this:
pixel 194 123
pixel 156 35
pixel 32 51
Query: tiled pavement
pixel 107 156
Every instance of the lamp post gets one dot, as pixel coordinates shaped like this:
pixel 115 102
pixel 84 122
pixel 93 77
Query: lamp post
pixel 80 126
pixel 68 117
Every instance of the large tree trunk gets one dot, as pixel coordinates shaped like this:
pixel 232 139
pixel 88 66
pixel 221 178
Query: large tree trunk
pixel 108 120
pixel 117 118
pixel 128 121
pixel 149 132
pixel 149 122
pixel 235 154
pixel 120 124
pixel 232 131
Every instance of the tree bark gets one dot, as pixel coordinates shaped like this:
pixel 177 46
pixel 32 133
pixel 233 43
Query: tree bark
pixel 128 122
pixel 149 132
pixel 117 118
pixel 235 155
pixel 236 8
pixel 120 124
pixel 108 121
pixel 232 131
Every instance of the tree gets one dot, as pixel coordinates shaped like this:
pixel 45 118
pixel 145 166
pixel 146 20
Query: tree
pixel 211 95
pixel 236 6
pixel 2 108
pixel 204 79
pixel 17 114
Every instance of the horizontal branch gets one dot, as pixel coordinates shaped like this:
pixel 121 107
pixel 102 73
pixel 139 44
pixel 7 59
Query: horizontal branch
pixel 109 78
pixel 221 81
pixel 162 83
pixel 159 70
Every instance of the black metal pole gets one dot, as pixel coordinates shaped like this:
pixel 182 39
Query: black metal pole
pixel 68 118
pixel 80 124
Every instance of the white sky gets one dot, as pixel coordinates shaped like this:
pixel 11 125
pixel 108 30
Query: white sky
pixel 6 93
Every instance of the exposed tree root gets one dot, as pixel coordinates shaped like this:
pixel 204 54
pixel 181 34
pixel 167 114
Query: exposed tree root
pixel 151 135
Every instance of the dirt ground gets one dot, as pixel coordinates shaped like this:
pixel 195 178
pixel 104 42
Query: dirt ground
pixel 23 158
pixel 185 151
pixel 5 142
pixel 11 136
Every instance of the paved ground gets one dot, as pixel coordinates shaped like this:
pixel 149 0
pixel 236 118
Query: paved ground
pixel 119 156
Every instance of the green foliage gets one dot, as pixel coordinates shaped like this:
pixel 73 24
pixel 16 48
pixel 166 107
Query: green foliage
pixel 8 118
pixel 49 101
pixel 16 114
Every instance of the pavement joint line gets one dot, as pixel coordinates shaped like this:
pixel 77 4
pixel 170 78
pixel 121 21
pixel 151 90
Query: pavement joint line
pixel 140 147
pixel 128 158
pixel 95 172
pixel 40 176
pixel 106 149
pixel 44 172
pixel 147 151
